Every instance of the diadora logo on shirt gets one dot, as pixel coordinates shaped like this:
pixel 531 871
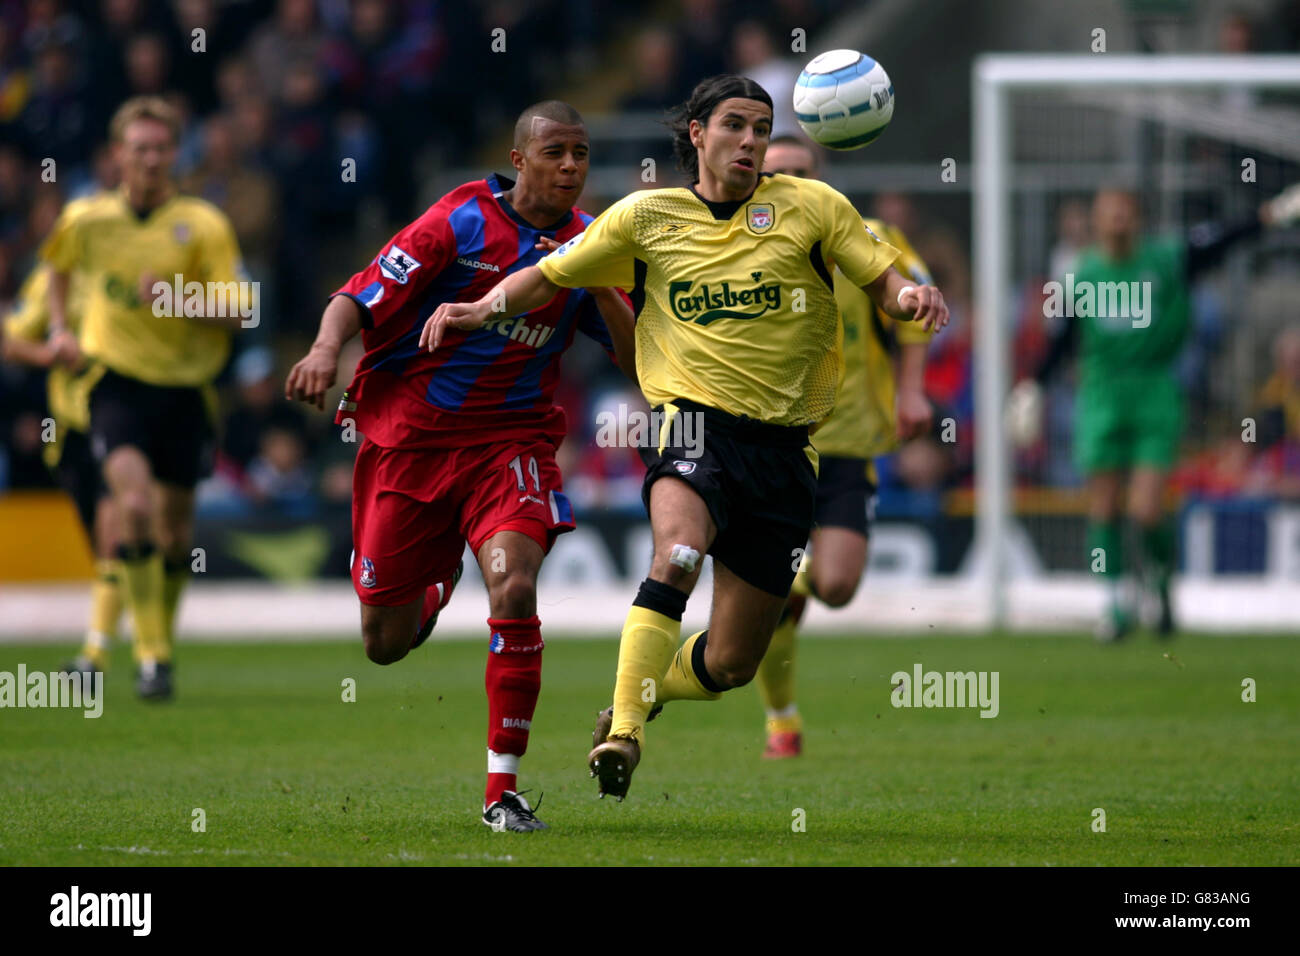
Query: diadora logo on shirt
pixel 724 300
pixel 476 264
pixel 518 330
pixel 398 264
pixel 519 722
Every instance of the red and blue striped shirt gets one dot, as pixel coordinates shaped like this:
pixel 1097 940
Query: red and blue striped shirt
pixel 491 384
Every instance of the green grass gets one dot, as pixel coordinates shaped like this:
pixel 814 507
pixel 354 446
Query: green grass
pixel 287 773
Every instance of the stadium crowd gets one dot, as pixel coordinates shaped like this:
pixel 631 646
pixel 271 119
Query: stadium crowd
pixel 276 94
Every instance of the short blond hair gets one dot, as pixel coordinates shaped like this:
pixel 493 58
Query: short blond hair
pixel 145 107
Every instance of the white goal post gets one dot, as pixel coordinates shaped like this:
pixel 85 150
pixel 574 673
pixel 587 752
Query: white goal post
pixel 994 78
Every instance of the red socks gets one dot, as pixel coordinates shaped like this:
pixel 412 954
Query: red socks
pixel 513 681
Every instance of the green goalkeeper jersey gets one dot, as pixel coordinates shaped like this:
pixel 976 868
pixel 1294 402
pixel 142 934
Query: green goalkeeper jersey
pixel 1138 318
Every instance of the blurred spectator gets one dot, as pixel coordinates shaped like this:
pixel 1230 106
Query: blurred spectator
pixel 382 69
pixel 293 37
pixel 15 78
pixel 655 79
pixel 1279 399
pixel 602 473
pixel 1073 234
pixel 57 122
pixel 148 66
pixel 249 196
pixel 702 39
pixel 279 475
pixel 258 405
pixel 753 55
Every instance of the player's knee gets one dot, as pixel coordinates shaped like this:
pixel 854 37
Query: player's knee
pixel 836 592
pixel 734 669
pixel 384 645
pixel 513 595
pixel 137 509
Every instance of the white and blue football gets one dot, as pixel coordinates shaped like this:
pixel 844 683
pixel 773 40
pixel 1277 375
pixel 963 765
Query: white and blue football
pixel 843 99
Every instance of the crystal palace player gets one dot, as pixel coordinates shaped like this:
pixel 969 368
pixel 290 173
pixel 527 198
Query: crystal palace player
pixel 737 327
pixel 460 446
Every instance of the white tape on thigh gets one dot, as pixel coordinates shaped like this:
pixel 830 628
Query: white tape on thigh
pixel 685 557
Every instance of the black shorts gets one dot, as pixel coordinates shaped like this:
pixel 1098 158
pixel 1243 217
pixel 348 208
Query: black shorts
pixel 758 484
pixel 168 423
pixel 846 494
pixel 79 475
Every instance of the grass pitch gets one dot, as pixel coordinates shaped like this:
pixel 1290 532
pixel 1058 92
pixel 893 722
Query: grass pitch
pixel 285 772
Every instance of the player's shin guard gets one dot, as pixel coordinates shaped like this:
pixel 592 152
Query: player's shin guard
pixel 776 672
pixel 687 677
pixel 645 651
pixel 513 681
pixel 144 579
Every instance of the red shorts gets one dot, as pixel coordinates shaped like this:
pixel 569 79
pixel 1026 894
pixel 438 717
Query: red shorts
pixel 413 510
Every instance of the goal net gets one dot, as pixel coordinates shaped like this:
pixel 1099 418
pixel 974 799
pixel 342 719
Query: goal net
pixel 1202 141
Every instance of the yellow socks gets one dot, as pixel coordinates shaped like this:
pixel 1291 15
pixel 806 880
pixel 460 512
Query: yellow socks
pixel 105 611
pixel 776 673
pixel 686 675
pixel 177 576
pixel 802 585
pixel 650 635
pixel 144 587
pixel 785 721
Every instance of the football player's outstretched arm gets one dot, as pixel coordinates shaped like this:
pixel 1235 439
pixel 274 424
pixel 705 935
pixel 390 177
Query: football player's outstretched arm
pixel 315 372
pixel 902 298
pixel 516 294
pixel 14 348
pixel 63 343
pixel 914 412
pixel 617 316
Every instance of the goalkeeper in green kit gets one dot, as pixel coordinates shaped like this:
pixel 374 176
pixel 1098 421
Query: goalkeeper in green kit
pixel 1126 311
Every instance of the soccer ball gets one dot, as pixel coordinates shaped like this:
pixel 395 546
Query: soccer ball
pixel 843 99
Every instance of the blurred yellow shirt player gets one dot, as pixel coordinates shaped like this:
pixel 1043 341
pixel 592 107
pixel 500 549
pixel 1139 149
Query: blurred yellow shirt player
pixel 873 407
pixel 121 255
pixel 26 331
pixel 152 413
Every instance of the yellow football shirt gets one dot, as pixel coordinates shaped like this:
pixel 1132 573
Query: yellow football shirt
pixel 67 392
pixel 864 422
pixel 102 238
pixel 734 300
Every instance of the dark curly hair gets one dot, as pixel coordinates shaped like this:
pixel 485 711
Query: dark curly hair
pixel 700 106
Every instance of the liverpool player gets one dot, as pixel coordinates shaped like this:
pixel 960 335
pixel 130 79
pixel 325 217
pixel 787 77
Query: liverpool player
pixel 460 446
pixel 152 410
pixel 68 382
pixel 737 327
pixel 874 410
